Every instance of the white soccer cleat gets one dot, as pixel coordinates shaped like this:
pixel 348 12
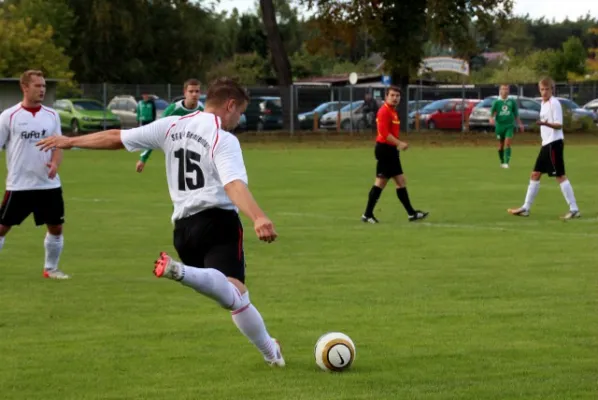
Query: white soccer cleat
pixel 519 212
pixel 504 166
pixel 277 361
pixel 571 215
pixel 55 274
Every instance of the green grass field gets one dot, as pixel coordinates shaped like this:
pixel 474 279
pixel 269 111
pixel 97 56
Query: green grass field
pixel 471 304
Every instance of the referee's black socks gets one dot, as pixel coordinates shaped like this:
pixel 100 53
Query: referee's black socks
pixel 404 197
pixel 373 197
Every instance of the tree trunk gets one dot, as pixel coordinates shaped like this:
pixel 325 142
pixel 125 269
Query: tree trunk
pixel 280 59
pixel 402 81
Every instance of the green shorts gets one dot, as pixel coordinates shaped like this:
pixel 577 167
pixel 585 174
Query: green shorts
pixel 505 132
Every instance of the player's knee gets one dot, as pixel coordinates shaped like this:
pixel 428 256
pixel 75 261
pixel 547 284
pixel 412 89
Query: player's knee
pixel 241 302
pixel 4 230
pixel 535 176
pixel 381 182
pixel 55 230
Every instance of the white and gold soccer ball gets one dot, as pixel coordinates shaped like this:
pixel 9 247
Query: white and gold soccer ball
pixel 334 351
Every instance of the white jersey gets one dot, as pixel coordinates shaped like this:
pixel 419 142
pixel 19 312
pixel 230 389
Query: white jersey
pixel 552 112
pixel 20 130
pixel 200 158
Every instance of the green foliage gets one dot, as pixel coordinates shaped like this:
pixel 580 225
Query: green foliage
pixel 26 45
pixel 248 68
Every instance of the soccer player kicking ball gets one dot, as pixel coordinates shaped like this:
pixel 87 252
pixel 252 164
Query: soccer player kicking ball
pixel 207 181
pixel 32 181
pixel 503 114
pixel 188 105
pixel 389 163
pixel 550 160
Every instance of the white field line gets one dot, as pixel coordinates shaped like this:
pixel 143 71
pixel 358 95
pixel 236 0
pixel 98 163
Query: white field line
pixel 480 227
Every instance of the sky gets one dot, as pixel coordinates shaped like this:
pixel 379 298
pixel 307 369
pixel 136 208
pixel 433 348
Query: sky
pixel 550 9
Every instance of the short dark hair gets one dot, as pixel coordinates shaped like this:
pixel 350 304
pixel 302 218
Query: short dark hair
pixel 393 88
pixel 190 82
pixel 224 89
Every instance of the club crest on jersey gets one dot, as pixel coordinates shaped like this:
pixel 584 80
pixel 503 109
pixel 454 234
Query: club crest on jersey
pixel 33 134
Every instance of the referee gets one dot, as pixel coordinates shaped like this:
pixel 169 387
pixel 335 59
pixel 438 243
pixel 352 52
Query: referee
pixel 387 155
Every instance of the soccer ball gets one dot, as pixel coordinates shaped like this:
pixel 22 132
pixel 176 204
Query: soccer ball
pixel 334 351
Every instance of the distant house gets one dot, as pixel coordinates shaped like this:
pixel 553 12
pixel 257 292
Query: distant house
pixel 10 92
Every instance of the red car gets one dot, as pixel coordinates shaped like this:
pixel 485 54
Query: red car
pixel 445 114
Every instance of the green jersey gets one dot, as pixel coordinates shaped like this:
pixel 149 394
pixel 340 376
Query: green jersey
pixel 506 111
pixel 146 111
pixel 177 108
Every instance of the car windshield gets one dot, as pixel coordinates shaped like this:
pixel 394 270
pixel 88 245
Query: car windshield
pixel 352 106
pixel 487 103
pixel 323 107
pixel 569 104
pixel 437 105
pixel 88 105
pixel 160 104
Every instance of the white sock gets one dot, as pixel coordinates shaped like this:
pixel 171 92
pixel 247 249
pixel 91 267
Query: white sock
pixel 2 241
pixel 532 191
pixel 53 245
pixel 567 190
pixel 213 284
pixel 250 322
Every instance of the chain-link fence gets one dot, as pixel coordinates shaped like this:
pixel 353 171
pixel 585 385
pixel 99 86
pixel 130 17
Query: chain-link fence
pixel 322 107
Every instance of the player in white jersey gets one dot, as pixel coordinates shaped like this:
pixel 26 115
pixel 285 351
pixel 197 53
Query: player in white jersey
pixel 207 181
pixel 550 160
pixel 32 181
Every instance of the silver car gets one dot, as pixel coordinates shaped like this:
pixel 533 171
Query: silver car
pixel 125 107
pixel 576 111
pixel 352 111
pixel 529 113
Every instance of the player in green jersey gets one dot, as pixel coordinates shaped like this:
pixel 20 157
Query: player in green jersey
pixel 503 115
pixel 186 106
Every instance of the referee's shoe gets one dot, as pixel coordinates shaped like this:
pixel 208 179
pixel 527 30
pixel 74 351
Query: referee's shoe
pixel 418 215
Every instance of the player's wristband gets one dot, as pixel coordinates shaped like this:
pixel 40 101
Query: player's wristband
pixel 145 156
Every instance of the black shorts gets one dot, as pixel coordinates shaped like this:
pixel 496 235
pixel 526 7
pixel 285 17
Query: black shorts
pixel 47 206
pixel 551 160
pixel 212 239
pixel 389 163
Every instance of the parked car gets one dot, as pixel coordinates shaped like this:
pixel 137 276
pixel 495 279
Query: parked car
pixel 529 112
pixel 592 106
pixel 352 111
pixel 306 119
pixel 84 115
pixel 413 106
pixel 264 113
pixel 125 107
pixel 576 111
pixel 445 114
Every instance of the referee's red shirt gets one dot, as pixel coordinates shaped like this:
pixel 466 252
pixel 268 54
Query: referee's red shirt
pixel 388 123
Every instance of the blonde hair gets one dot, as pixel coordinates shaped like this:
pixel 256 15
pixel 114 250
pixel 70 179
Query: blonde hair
pixel 546 82
pixel 26 76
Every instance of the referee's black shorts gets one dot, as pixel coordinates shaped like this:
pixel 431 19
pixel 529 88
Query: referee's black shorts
pixel 212 239
pixel 551 160
pixel 388 161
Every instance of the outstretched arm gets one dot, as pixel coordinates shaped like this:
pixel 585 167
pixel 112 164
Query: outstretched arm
pixel 105 140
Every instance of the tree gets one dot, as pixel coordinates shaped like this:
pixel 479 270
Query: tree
pixel 54 13
pixel 280 58
pixel 249 69
pixel 25 45
pixel 401 28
